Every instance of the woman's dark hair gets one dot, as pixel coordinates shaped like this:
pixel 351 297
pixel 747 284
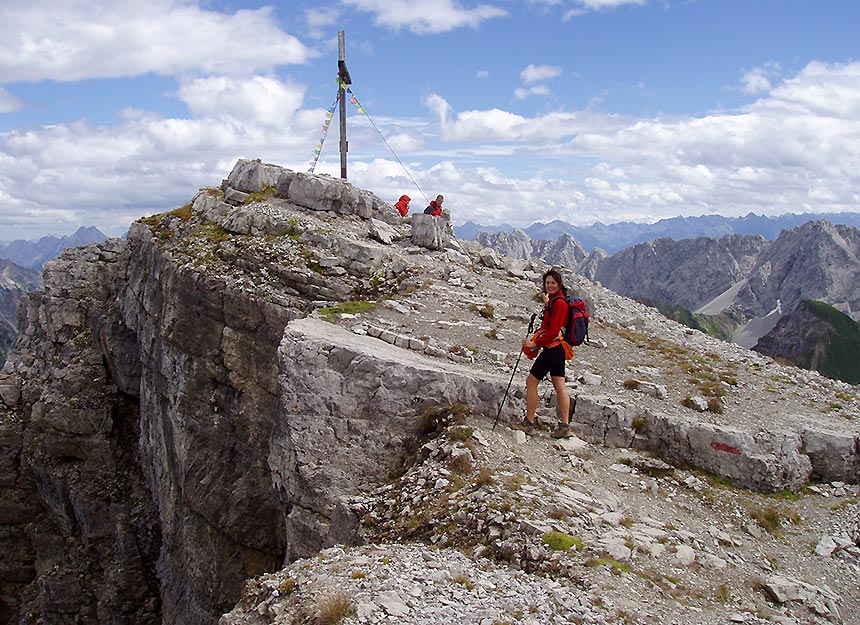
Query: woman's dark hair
pixel 556 275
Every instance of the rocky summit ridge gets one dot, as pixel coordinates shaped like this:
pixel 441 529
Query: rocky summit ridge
pixel 278 403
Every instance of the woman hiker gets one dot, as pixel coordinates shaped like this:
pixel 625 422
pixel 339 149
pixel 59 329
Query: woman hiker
pixel 551 358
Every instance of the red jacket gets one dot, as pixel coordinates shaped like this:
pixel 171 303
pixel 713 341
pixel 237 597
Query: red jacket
pixel 433 209
pixel 402 205
pixel 552 323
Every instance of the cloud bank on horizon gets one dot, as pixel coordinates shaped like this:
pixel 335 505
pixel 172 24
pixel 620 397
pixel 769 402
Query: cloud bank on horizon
pixel 579 110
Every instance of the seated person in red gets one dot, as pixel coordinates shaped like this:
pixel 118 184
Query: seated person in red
pixel 435 207
pixel 402 205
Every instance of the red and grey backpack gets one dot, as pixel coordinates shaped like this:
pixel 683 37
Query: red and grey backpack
pixel 576 330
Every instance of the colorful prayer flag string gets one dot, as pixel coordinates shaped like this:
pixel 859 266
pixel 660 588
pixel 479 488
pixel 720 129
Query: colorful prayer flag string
pixel 328 115
pixel 354 101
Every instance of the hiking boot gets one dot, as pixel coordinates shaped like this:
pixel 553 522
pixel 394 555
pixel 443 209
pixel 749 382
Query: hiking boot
pixel 562 430
pixel 524 426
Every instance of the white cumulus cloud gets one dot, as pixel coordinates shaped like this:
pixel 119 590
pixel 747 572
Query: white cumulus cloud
pixel 262 99
pixel 66 40
pixel 759 79
pixel 522 94
pixel 794 149
pixel 430 16
pixel 539 73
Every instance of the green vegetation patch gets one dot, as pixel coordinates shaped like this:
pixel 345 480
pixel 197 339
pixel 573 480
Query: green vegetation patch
pixel 332 313
pixel 259 196
pixel 721 326
pixel 212 233
pixel 559 541
pixel 843 363
pixel 159 224
pixel 614 565
pixel 774 518
pixel 485 310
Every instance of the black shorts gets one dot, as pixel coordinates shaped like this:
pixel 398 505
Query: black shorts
pixel 550 361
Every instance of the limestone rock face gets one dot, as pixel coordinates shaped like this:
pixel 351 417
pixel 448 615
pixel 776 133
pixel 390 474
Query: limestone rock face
pixel 516 244
pixel 780 460
pixel 324 193
pixel 564 251
pixel 80 540
pixel 250 176
pixel 347 407
pixel 208 385
pixel 434 233
pixel 690 272
pixel 816 261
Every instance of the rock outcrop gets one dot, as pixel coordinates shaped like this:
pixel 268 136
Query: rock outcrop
pixel 139 407
pixel 816 261
pixel 348 405
pixel 564 250
pixel 80 539
pixel 431 232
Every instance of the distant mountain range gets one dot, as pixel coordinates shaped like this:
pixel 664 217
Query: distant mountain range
pixel 615 237
pixel 34 254
pixel 21 271
pixel 14 282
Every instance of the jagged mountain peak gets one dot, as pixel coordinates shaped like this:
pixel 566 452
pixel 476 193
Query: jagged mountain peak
pixel 34 254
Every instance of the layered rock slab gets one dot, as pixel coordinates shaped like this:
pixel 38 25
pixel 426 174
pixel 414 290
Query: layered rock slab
pixel 765 460
pixel 348 406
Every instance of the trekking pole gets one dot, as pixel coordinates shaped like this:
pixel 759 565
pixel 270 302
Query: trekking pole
pixel 517 364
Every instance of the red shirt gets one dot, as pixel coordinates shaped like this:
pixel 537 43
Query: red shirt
pixel 552 323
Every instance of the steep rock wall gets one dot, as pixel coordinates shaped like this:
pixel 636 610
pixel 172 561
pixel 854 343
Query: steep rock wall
pixel 78 533
pixel 208 382
pixel 689 272
pixel 135 424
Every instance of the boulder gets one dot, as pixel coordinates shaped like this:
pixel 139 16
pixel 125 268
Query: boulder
pixel 320 192
pixel 431 232
pixel 251 176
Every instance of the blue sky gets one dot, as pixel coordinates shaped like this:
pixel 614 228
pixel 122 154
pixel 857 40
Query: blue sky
pixel 581 110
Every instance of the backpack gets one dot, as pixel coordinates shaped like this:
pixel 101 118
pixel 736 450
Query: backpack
pixel 428 210
pixel 575 332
